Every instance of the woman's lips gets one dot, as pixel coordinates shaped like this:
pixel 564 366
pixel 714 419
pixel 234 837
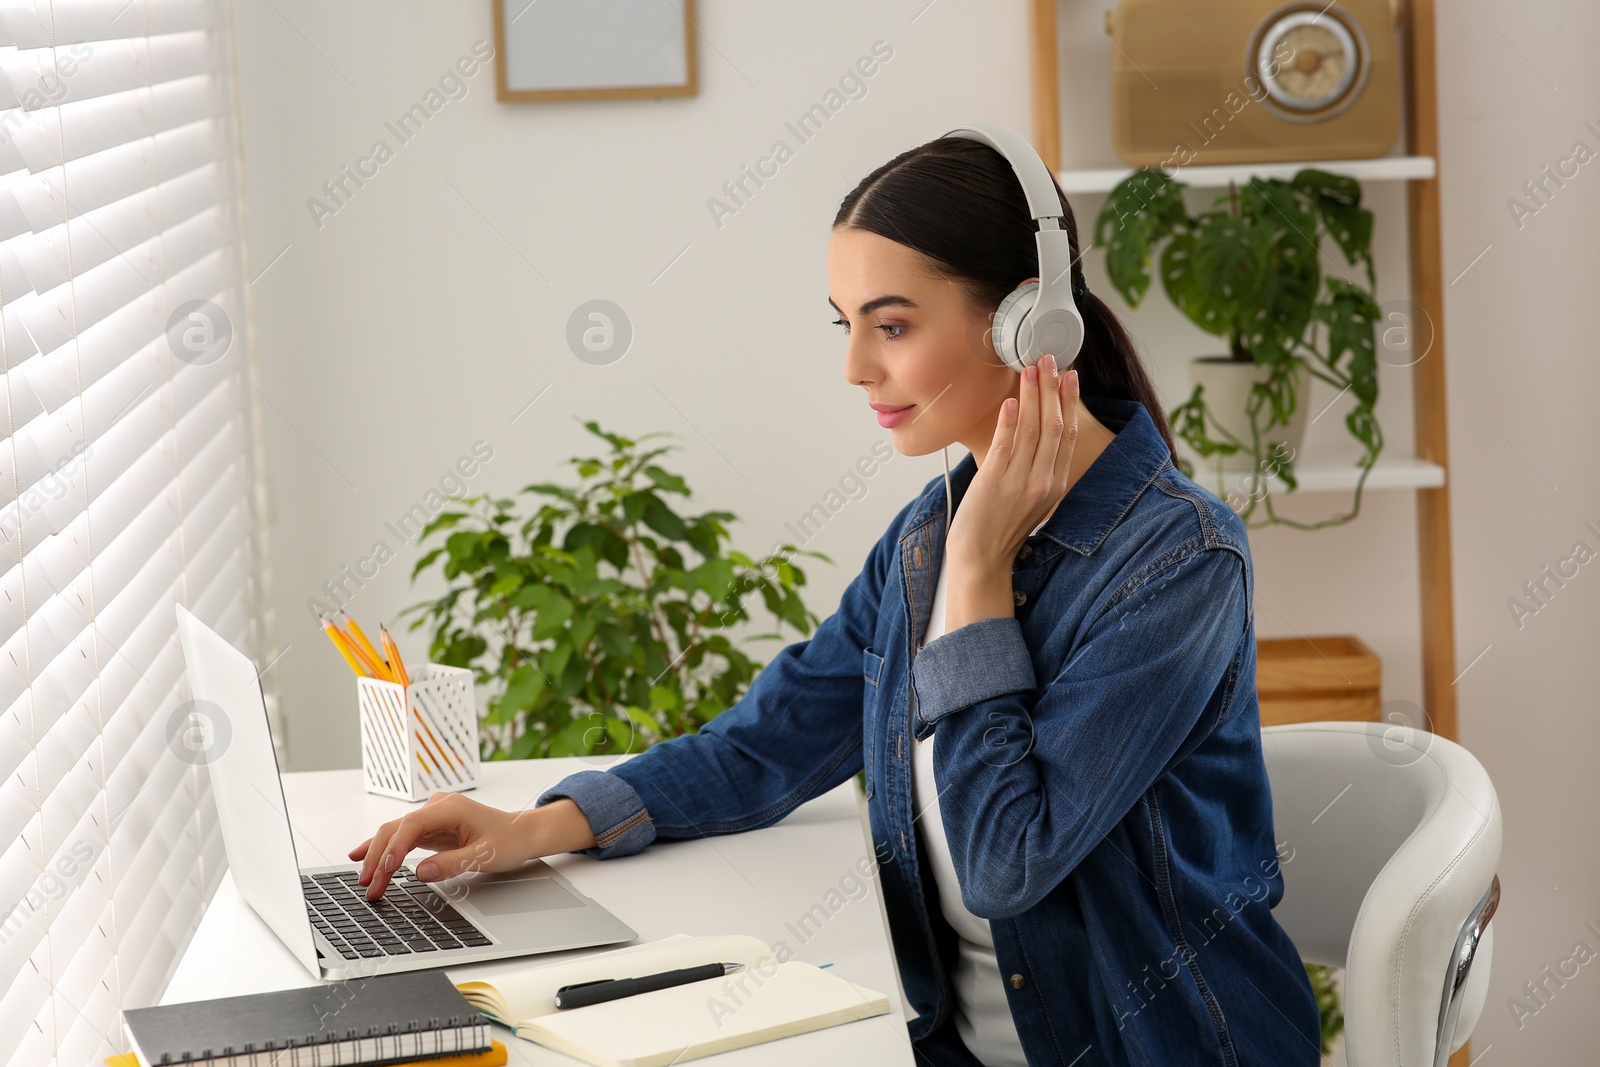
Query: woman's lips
pixel 890 419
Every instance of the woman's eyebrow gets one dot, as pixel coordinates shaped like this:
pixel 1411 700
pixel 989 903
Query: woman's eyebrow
pixel 879 302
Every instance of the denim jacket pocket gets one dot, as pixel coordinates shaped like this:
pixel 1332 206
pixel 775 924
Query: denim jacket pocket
pixel 872 671
pixel 871 666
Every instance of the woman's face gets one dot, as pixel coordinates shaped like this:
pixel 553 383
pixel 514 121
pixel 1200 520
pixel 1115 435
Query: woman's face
pixel 914 339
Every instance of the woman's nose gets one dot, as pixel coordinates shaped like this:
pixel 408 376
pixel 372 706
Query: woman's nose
pixel 858 366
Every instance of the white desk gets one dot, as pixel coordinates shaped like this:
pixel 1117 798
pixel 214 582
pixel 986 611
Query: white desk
pixel 761 882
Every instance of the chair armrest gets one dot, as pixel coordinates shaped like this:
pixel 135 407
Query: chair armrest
pixel 1465 989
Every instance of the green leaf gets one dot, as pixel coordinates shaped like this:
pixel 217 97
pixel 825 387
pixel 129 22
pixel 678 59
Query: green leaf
pixel 556 660
pixel 648 726
pixel 1229 262
pixel 1338 203
pixel 553 616
pixel 582 630
pixel 666 482
pixel 523 688
pixel 616 440
pixel 1279 207
pixel 526 745
pixel 572 677
pixel 559 491
pixel 1351 316
pixel 508 582
pixel 1206 274
pixel 612 640
pixel 442 521
pixel 463 545
pixel 662 519
pixel 426 561
pixel 1274 316
pixel 715 576
pixel 462 650
pixel 1141 211
pixel 1144 208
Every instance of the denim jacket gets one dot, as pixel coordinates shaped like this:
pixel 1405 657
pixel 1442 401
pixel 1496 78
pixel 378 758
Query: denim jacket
pixel 1100 772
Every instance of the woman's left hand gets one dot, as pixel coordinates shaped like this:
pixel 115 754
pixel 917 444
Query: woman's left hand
pixel 1024 475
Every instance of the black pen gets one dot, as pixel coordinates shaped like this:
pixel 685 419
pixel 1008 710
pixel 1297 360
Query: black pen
pixel 603 989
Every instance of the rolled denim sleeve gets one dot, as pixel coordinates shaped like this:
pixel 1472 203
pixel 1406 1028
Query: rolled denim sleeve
pixel 1031 780
pixel 614 809
pixel 943 679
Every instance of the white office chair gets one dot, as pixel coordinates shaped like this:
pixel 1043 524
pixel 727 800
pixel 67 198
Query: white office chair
pixel 1389 838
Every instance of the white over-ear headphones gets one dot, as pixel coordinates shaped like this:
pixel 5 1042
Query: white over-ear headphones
pixel 1036 317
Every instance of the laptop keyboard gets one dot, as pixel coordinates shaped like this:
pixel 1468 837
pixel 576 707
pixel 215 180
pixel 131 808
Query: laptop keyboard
pixel 409 917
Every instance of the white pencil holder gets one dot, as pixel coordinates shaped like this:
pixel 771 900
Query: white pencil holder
pixel 419 739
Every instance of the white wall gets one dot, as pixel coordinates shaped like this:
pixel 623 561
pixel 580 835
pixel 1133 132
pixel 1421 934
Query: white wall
pixel 427 312
pixel 1516 92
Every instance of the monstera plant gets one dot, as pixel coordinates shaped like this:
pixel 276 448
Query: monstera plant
pixel 1250 270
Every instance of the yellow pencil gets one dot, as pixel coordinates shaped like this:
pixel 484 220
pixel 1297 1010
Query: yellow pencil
pixel 362 643
pixel 374 668
pixel 344 650
pixel 392 650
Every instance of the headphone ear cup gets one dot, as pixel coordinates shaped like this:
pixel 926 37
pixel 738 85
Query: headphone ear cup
pixel 1009 319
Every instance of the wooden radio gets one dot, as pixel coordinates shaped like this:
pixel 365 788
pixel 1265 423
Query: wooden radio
pixel 1247 81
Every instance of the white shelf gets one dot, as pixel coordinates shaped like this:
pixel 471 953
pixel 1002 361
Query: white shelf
pixel 1401 472
pixel 1384 168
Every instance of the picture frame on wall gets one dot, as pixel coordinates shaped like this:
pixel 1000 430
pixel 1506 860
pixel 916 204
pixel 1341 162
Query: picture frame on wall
pixel 593 49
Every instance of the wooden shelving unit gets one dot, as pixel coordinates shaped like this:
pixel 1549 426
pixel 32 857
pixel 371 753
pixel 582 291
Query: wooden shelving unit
pixel 1427 471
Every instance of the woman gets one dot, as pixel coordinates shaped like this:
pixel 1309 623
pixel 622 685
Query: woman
pixel 1053 700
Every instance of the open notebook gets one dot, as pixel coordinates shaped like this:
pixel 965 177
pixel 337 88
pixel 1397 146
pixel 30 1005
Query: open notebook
pixel 763 1002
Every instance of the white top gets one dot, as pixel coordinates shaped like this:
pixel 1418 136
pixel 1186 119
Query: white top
pixel 983 1016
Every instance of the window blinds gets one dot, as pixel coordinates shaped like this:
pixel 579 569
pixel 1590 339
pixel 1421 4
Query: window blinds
pixel 128 486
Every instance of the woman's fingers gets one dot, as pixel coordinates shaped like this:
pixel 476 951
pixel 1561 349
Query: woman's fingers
pixel 434 825
pixel 1069 433
pixel 374 850
pixel 1026 439
pixel 1051 424
pixel 1004 431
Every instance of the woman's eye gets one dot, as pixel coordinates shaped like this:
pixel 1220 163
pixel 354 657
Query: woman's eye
pixel 885 326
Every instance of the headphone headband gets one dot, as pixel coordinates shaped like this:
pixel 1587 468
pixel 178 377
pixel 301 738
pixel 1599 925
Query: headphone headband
pixel 1037 184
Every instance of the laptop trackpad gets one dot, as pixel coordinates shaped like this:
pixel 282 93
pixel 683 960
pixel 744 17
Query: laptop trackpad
pixel 520 895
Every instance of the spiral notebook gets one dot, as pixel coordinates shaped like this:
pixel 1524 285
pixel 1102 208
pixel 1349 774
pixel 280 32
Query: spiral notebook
pixel 386 1019
pixel 765 1001
pixel 496 1056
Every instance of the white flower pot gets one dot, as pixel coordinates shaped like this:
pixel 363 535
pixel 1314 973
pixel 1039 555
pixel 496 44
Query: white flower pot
pixel 1227 389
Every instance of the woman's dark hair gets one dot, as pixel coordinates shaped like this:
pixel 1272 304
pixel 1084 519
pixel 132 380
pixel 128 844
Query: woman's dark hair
pixel 959 203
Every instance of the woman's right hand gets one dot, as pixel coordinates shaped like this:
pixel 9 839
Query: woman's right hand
pixel 469 836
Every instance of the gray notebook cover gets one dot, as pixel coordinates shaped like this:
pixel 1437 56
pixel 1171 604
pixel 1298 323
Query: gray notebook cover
pixel 397 1015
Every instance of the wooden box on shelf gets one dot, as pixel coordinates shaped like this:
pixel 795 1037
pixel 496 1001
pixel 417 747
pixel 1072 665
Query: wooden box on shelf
pixel 1314 679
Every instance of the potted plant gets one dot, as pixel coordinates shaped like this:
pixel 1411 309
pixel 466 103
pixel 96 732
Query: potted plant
pixel 581 616
pixel 1250 269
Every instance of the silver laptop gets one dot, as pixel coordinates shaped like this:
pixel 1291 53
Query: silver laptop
pixel 320 912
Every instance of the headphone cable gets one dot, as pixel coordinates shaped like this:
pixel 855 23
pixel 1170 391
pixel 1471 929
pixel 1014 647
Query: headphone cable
pixel 949 512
